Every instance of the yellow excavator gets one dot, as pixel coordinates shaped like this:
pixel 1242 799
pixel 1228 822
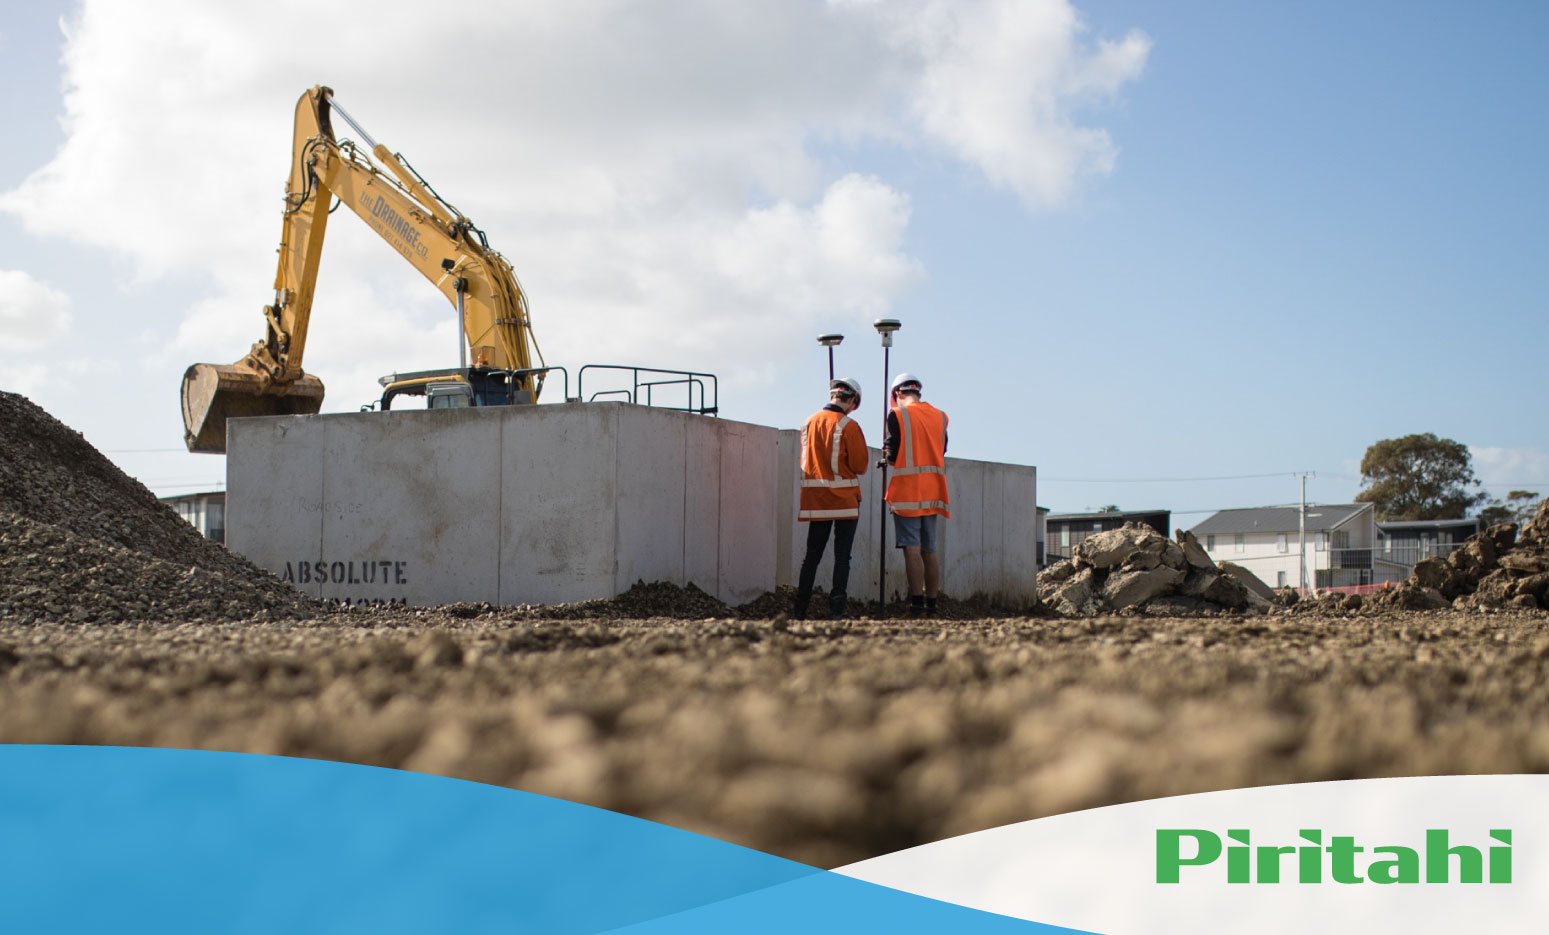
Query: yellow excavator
pixel 440 242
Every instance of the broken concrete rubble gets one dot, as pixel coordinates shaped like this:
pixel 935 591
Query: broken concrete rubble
pixel 1137 569
pixel 1495 569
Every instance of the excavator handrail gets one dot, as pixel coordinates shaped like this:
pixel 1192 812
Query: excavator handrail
pixel 688 378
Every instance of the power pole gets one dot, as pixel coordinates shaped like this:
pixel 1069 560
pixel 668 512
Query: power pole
pixel 1302 529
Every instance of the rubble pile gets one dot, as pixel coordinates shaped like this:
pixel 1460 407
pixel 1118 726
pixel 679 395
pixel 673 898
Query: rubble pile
pixel 1497 568
pixel 81 541
pixel 1137 569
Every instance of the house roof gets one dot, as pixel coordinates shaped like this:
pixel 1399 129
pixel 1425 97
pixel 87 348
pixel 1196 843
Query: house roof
pixel 1280 518
pixel 1110 514
pixel 1472 522
pixel 192 496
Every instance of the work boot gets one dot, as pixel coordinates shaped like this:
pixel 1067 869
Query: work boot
pixel 838 608
pixel 799 606
pixel 930 606
pixel 916 605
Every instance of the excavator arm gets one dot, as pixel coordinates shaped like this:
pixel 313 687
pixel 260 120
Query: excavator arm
pixel 425 230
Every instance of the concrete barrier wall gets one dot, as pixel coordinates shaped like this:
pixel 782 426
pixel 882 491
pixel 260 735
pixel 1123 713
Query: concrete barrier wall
pixel 560 503
pixel 512 505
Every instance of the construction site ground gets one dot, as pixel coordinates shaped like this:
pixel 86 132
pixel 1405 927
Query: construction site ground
pixel 826 742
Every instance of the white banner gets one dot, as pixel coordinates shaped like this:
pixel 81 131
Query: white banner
pixel 1414 855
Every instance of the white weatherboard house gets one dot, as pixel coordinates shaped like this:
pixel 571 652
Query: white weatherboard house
pixel 1265 540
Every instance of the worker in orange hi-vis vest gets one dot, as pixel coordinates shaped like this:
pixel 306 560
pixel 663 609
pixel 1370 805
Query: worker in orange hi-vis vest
pixel 916 447
pixel 833 457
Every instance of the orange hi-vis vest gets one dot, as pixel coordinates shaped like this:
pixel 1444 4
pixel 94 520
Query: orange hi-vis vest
pixel 918 486
pixel 833 457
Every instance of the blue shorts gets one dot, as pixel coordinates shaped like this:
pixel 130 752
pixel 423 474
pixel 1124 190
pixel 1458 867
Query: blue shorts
pixel 910 531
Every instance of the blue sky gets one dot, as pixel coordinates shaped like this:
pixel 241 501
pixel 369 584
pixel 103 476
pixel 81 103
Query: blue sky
pixel 1211 240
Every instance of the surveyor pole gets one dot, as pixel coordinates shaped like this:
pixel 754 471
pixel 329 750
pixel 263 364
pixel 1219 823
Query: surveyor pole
pixel 885 327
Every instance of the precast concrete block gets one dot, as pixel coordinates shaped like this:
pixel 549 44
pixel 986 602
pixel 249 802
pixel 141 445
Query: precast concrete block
pixel 962 535
pixel 409 511
pixel 651 491
pixel 558 526
pixel 787 477
pixel 703 443
pixel 1019 540
pixel 746 527
pixel 274 496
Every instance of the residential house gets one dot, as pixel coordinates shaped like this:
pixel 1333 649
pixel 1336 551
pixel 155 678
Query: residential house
pixel 206 511
pixel 1266 541
pixel 1065 531
pixel 1042 536
pixel 1406 542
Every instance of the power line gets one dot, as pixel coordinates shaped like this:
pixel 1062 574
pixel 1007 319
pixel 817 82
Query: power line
pixel 1158 480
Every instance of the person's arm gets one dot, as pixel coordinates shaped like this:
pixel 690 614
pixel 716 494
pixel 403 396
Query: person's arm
pixel 890 443
pixel 853 449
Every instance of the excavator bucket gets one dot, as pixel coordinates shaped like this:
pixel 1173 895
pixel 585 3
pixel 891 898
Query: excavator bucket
pixel 213 393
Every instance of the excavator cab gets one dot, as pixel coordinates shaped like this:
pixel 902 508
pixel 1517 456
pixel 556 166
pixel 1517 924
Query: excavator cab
pixel 458 388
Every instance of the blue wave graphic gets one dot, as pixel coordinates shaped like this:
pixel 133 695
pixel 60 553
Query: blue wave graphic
pixel 135 839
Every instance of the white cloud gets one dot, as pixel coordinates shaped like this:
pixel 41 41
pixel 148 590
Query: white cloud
pixel 32 313
pixel 1511 467
pixel 23 378
pixel 655 170
pixel 998 84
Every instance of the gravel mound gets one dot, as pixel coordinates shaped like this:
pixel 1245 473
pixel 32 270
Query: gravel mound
pixel 82 541
pixel 54 575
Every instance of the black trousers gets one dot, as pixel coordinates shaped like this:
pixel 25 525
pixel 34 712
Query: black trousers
pixel 818 531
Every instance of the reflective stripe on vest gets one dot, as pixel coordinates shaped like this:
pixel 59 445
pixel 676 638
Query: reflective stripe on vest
pixel 833 454
pixel 853 513
pixel 922 469
pixel 831 484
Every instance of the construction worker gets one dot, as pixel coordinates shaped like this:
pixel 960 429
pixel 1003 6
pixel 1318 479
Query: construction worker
pixel 833 457
pixel 916 447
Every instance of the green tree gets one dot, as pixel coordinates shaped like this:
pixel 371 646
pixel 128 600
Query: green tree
pixel 1420 477
pixel 1518 507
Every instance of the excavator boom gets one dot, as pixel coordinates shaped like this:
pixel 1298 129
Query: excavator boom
pixel 421 227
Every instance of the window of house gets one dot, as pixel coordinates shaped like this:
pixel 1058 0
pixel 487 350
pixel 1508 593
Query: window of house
pixel 1281 545
pixel 1237 543
pixel 1280 576
pixel 1341 539
pixel 1210 543
pixel 1317 541
pixel 1064 537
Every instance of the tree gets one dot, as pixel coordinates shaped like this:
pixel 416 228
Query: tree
pixel 1518 507
pixel 1419 477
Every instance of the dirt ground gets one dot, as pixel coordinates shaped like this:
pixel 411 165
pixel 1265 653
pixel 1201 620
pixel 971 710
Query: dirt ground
pixel 826 743
pixel 823 742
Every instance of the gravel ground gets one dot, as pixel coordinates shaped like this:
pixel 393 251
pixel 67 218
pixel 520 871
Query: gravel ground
pixel 822 742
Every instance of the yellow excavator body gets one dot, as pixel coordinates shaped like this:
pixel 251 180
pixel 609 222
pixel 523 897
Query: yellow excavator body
pixel 432 235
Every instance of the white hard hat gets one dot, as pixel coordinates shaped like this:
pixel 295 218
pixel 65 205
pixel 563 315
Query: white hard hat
pixel 848 383
pixel 904 379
